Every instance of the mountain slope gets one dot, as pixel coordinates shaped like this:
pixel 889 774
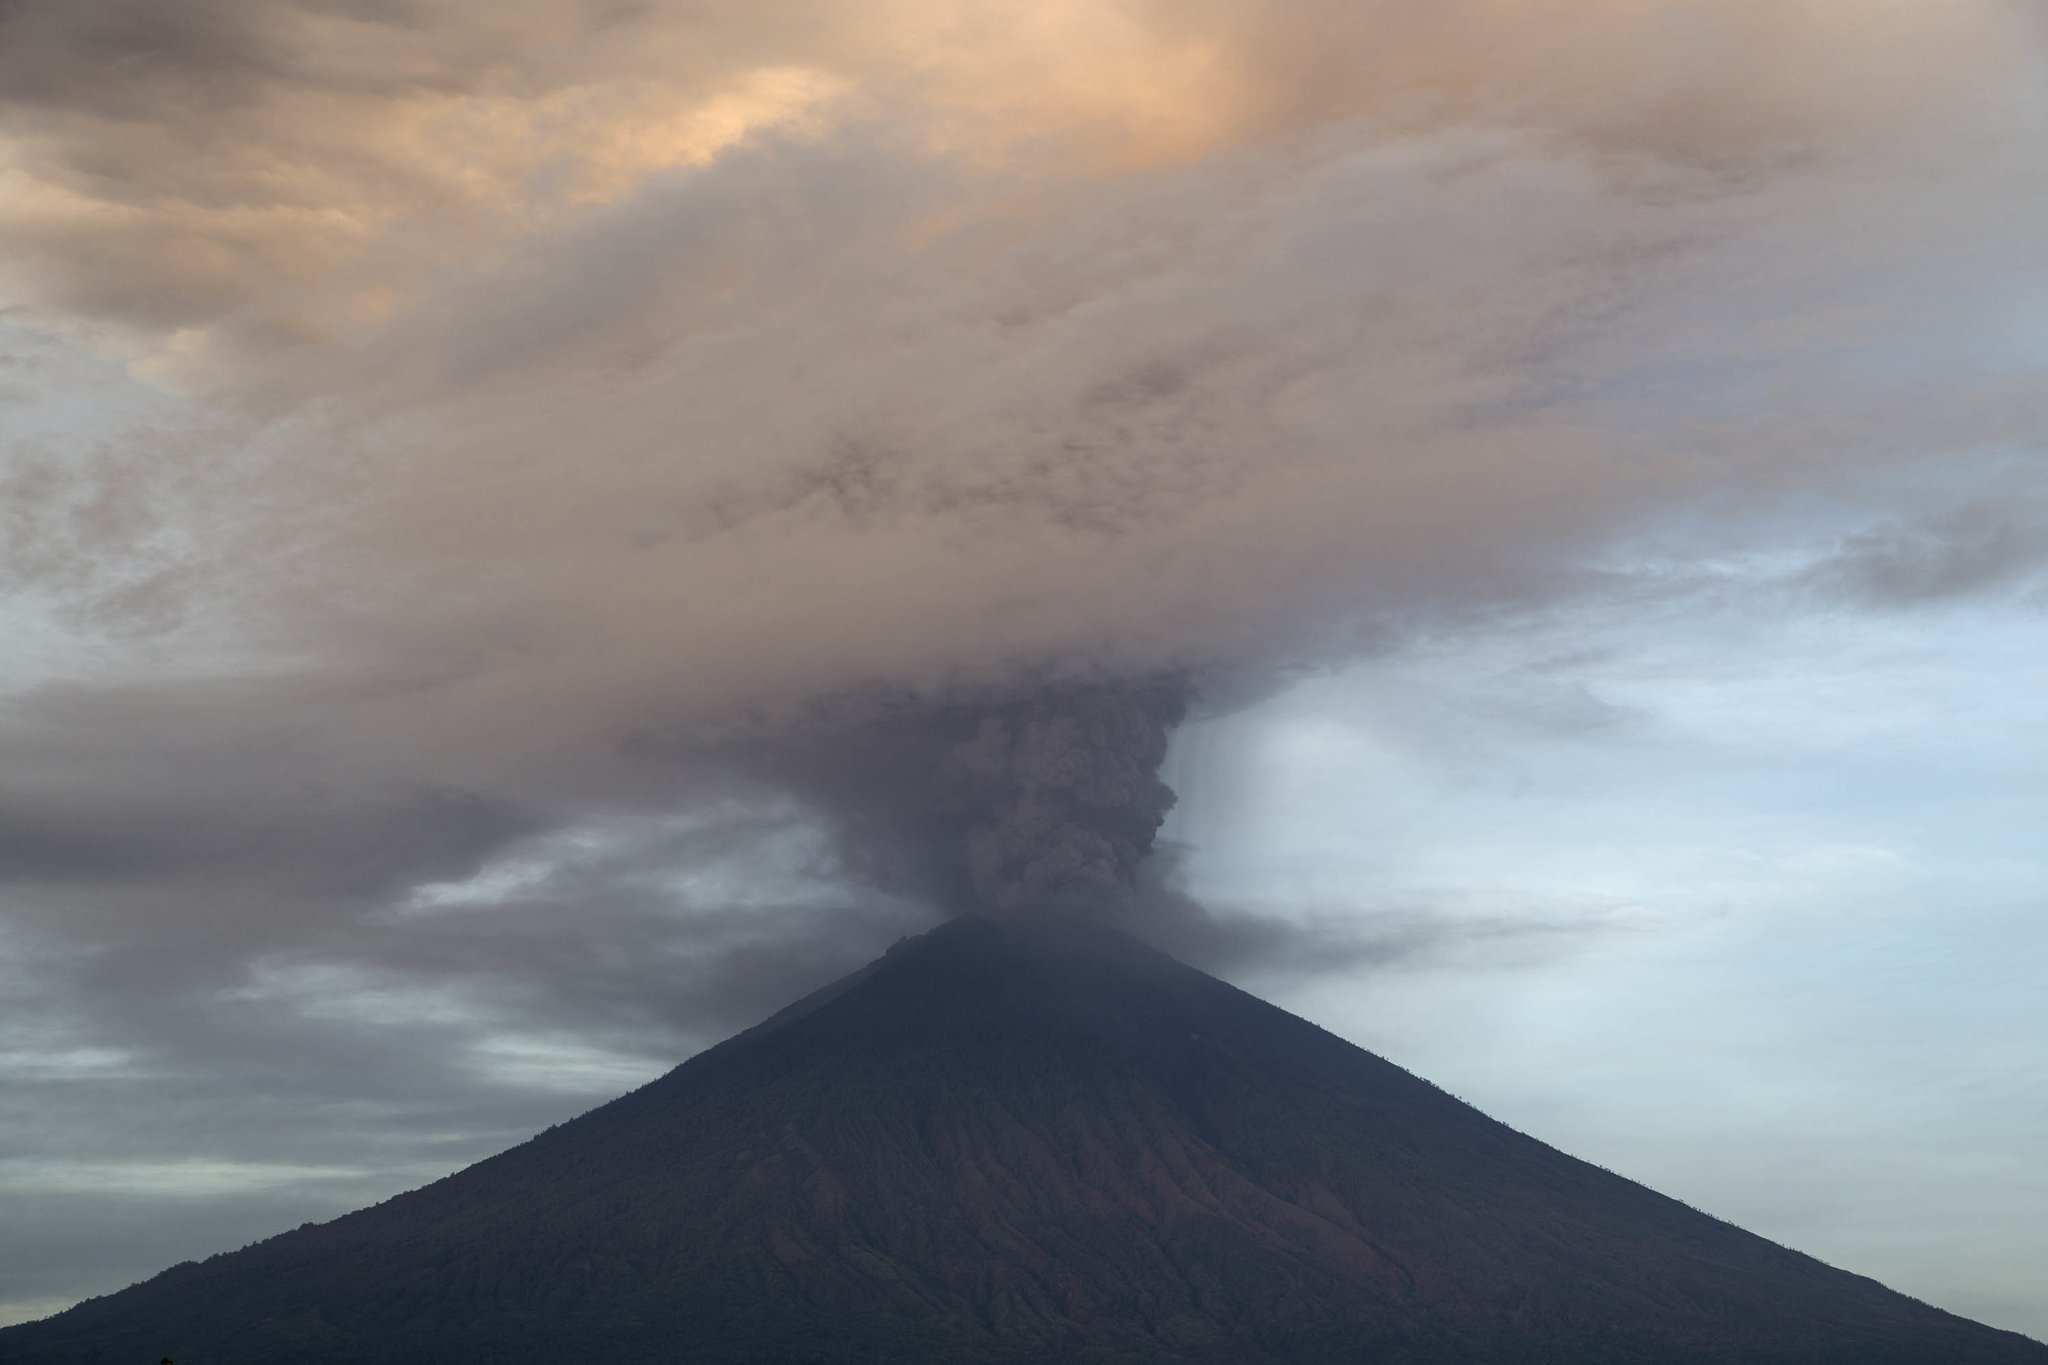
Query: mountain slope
pixel 1002 1144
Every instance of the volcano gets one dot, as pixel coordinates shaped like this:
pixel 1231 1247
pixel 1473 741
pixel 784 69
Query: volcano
pixel 1006 1142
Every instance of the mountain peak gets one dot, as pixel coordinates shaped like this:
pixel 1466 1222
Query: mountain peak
pixel 1012 1139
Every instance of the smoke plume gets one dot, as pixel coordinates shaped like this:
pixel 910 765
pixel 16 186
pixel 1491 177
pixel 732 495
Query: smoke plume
pixel 1056 799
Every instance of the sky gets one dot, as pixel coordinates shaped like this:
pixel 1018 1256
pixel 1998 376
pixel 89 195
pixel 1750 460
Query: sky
pixel 476 477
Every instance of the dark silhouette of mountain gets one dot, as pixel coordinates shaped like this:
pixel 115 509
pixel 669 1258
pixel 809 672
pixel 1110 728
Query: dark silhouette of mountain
pixel 1008 1143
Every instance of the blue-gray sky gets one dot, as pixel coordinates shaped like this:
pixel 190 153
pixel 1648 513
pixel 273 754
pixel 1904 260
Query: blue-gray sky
pixel 1586 452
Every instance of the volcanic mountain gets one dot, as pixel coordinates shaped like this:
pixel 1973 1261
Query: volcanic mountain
pixel 1007 1143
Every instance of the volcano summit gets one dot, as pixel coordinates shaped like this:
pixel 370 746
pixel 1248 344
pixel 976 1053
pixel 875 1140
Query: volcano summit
pixel 1009 1142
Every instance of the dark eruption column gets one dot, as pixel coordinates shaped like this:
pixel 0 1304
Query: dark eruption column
pixel 1056 799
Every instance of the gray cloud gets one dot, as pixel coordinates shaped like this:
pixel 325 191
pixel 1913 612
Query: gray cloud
pixel 1248 943
pixel 212 784
pixel 1974 548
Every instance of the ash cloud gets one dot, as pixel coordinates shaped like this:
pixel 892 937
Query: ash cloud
pixel 1041 796
pixel 1057 799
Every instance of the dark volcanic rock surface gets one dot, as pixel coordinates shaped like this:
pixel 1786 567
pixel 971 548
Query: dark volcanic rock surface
pixel 1007 1144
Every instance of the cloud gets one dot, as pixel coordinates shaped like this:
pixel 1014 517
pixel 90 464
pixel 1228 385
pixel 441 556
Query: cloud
pixel 1974 548
pixel 220 181
pixel 1251 942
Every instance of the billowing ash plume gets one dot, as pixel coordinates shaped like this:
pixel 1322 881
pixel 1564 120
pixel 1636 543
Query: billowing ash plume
pixel 1043 796
pixel 1054 801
